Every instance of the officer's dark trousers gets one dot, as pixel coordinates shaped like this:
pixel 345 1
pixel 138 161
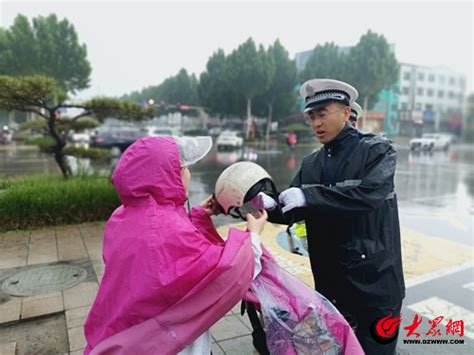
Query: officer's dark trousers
pixel 363 319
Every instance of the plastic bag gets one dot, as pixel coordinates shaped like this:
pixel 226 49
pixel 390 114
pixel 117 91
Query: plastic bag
pixel 297 319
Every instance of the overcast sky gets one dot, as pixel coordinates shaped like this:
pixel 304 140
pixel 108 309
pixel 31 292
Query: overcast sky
pixel 136 44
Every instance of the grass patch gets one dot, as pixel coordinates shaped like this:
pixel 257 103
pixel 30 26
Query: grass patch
pixel 37 201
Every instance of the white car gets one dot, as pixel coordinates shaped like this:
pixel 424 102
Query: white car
pixel 80 137
pixel 161 131
pixel 229 139
pixel 430 141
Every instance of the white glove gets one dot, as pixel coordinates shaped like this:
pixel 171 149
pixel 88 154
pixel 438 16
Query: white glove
pixel 292 198
pixel 263 202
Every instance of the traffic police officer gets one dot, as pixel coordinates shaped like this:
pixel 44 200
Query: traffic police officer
pixel 345 193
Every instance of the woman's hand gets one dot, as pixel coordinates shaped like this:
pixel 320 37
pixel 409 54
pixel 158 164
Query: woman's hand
pixel 256 224
pixel 211 206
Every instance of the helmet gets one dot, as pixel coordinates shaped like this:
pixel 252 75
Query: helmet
pixel 239 183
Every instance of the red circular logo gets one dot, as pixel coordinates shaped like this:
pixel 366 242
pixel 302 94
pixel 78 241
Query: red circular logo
pixel 385 329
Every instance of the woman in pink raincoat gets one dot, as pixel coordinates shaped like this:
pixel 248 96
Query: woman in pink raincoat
pixel 168 275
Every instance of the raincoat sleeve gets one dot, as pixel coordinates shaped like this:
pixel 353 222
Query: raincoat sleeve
pixel 179 325
pixel 363 195
pixel 257 254
pixel 203 222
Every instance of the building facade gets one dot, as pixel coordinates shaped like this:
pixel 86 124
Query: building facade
pixel 431 99
pixel 425 99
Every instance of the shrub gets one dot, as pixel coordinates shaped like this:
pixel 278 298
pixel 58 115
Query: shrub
pixel 36 201
pixel 45 144
pixel 297 128
pixel 91 153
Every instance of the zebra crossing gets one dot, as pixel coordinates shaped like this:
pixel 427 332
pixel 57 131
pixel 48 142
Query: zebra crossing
pixel 433 307
pixel 450 295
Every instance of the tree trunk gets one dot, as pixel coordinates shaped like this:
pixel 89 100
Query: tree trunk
pixel 362 124
pixel 249 117
pixel 269 120
pixel 58 147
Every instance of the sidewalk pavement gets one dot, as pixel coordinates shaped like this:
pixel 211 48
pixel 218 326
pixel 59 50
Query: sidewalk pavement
pixel 82 243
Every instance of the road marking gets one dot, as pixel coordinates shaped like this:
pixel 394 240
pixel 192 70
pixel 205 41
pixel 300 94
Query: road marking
pixel 436 197
pixel 434 307
pixel 469 286
pixel 438 273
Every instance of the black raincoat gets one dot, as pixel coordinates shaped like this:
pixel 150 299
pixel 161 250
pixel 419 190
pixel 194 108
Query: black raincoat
pixel 352 221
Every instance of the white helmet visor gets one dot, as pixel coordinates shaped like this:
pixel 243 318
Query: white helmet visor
pixel 193 149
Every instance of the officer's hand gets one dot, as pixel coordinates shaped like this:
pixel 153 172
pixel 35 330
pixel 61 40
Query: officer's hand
pixel 292 198
pixel 255 225
pixel 263 202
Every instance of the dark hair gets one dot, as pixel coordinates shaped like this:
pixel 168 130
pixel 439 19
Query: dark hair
pixel 340 104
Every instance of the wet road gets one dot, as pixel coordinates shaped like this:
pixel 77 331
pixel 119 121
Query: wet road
pixel 440 181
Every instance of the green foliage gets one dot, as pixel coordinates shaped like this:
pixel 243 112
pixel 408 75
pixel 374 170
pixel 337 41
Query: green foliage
pixel 38 201
pixel 296 127
pixel 326 61
pixel 91 153
pixel 48 47
pixel 279 95
pixel 84 123
pixel 40 95
pixel 249 71
pixel 36 125
pixel 104 107
pixel 372 67
pixel 181 88
pixel 468 135
pixel 215 91
pixel 45 144
pixel 26 93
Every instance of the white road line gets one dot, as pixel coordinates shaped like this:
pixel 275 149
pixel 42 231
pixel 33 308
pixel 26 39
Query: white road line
pixel 438 273
pixel 433 307
pixel 469 286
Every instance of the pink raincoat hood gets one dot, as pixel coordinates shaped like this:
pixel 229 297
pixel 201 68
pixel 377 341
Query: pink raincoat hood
pixel 150 168
pixel 156 258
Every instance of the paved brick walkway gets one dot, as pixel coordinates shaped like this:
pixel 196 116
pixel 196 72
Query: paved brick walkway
pixel 231 335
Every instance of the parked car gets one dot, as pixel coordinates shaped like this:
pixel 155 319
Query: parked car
pixel 229 139
pixel 80 137
pixel 430 141
pixel 215 131
pixel 120 138
pixel 161 131
pixel 452 138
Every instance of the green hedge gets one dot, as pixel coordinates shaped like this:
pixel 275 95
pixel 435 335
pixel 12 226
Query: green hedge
pixel 91 153
pixel 468 135
pixel 297 128
pixel 45 144
pixel 37 201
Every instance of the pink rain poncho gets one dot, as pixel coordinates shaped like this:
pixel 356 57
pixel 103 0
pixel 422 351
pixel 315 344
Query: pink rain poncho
pixel 167 279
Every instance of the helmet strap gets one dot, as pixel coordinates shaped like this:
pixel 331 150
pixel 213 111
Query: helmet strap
pixel 189 209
